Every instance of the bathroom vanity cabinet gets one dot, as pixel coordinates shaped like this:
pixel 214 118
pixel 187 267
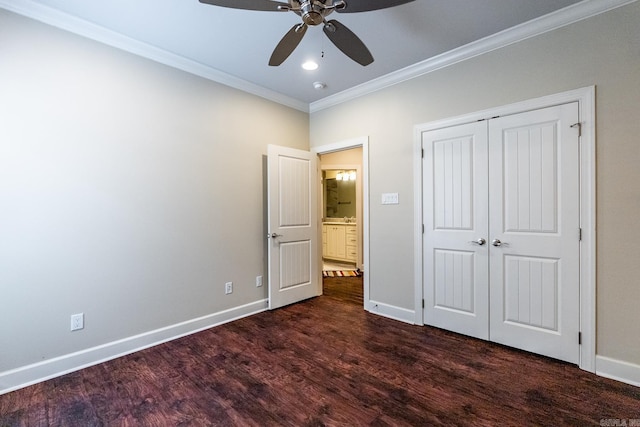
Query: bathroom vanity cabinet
pixel 340 241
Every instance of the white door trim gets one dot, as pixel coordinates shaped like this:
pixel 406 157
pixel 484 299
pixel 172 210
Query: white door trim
pixel 345 145
pixel 586 101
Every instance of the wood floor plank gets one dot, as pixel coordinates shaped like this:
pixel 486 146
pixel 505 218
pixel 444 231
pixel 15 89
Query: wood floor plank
pixel 323 362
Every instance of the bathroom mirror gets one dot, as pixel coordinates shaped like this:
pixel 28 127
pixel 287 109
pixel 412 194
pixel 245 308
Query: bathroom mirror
pixel 339 195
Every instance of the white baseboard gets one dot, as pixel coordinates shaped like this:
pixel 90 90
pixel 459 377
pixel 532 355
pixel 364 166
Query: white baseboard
pixel 618 370
pixel 392 312
pixel 31 374
pixel 42 371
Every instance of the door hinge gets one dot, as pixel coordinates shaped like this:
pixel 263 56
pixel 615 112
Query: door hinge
pixel 579 126
pixel 422 228
pixel 579 338
pixel 422 303
pixel 580 234
pixel 422 153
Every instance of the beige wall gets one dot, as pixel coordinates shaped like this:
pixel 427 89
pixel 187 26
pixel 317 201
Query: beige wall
pixel 602 51
pixel 129 191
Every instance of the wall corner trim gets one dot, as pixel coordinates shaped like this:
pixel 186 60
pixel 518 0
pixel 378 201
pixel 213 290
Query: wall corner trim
pixel 31 374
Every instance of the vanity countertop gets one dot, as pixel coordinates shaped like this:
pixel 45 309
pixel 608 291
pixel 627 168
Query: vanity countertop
pixel 339 223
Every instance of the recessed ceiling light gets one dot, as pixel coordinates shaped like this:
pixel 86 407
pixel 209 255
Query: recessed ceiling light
pixel 310 65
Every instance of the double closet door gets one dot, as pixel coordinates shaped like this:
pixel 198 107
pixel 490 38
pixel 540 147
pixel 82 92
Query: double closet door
pixel 502 230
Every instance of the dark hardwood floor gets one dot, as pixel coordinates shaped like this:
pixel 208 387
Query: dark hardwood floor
pixel 324 362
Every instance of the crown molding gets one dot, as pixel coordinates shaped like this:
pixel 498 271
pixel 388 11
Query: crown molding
pixel 563 17
pixel 569 15
pixel 66 22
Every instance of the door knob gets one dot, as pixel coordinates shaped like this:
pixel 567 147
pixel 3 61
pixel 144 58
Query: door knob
pixel 496 242
pixel 479 242
pixel 273 235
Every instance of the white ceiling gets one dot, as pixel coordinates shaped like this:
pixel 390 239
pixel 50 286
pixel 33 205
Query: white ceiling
pixel 233 46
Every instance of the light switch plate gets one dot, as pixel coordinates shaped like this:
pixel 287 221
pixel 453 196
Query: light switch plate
pixel 390 198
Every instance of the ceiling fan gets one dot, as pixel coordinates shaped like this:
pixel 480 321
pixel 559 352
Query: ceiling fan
pixel 314 12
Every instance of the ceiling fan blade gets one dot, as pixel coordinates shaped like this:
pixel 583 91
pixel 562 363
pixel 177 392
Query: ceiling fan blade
pixel 288 44
pixel 347 42
pixel 353 6
pixel 262 5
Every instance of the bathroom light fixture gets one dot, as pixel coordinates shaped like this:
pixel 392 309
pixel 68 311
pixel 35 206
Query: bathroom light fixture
pixel 346 176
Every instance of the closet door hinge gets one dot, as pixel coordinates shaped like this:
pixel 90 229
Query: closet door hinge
pixel 422 228
pixel 422 153
pixel 579 338
pixel 422 303
pixel 580 234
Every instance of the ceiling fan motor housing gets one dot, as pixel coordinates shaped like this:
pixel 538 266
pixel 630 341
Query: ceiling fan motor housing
pixel 313 12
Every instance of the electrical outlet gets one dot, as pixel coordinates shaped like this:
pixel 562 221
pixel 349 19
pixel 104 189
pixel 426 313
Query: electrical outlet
pixel 77 321
pixel 258 281
pixel 228 288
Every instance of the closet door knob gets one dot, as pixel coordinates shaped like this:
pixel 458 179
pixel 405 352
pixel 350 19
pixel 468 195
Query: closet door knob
pixel 496 242
pixel 479 242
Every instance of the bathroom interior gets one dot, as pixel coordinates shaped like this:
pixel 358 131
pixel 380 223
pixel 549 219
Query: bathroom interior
pixel 341 210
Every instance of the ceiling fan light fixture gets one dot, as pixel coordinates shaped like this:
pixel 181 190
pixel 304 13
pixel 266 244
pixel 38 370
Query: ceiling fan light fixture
pixel 310 65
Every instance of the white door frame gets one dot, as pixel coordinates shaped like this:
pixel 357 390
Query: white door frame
pixel 587 122
pixel 345 145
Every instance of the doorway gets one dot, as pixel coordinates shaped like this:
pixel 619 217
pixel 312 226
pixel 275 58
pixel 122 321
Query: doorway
pixel 341 210
pixel 344 220
pixel 501 215
pixel 502 234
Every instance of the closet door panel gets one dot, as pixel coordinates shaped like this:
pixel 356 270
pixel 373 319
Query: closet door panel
pixel 455 220
pixel 534 222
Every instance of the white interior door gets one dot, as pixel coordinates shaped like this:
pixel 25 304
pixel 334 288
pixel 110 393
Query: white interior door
pixel 535 224
pixel 293 226
pixel 502 230
pixel 455 219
